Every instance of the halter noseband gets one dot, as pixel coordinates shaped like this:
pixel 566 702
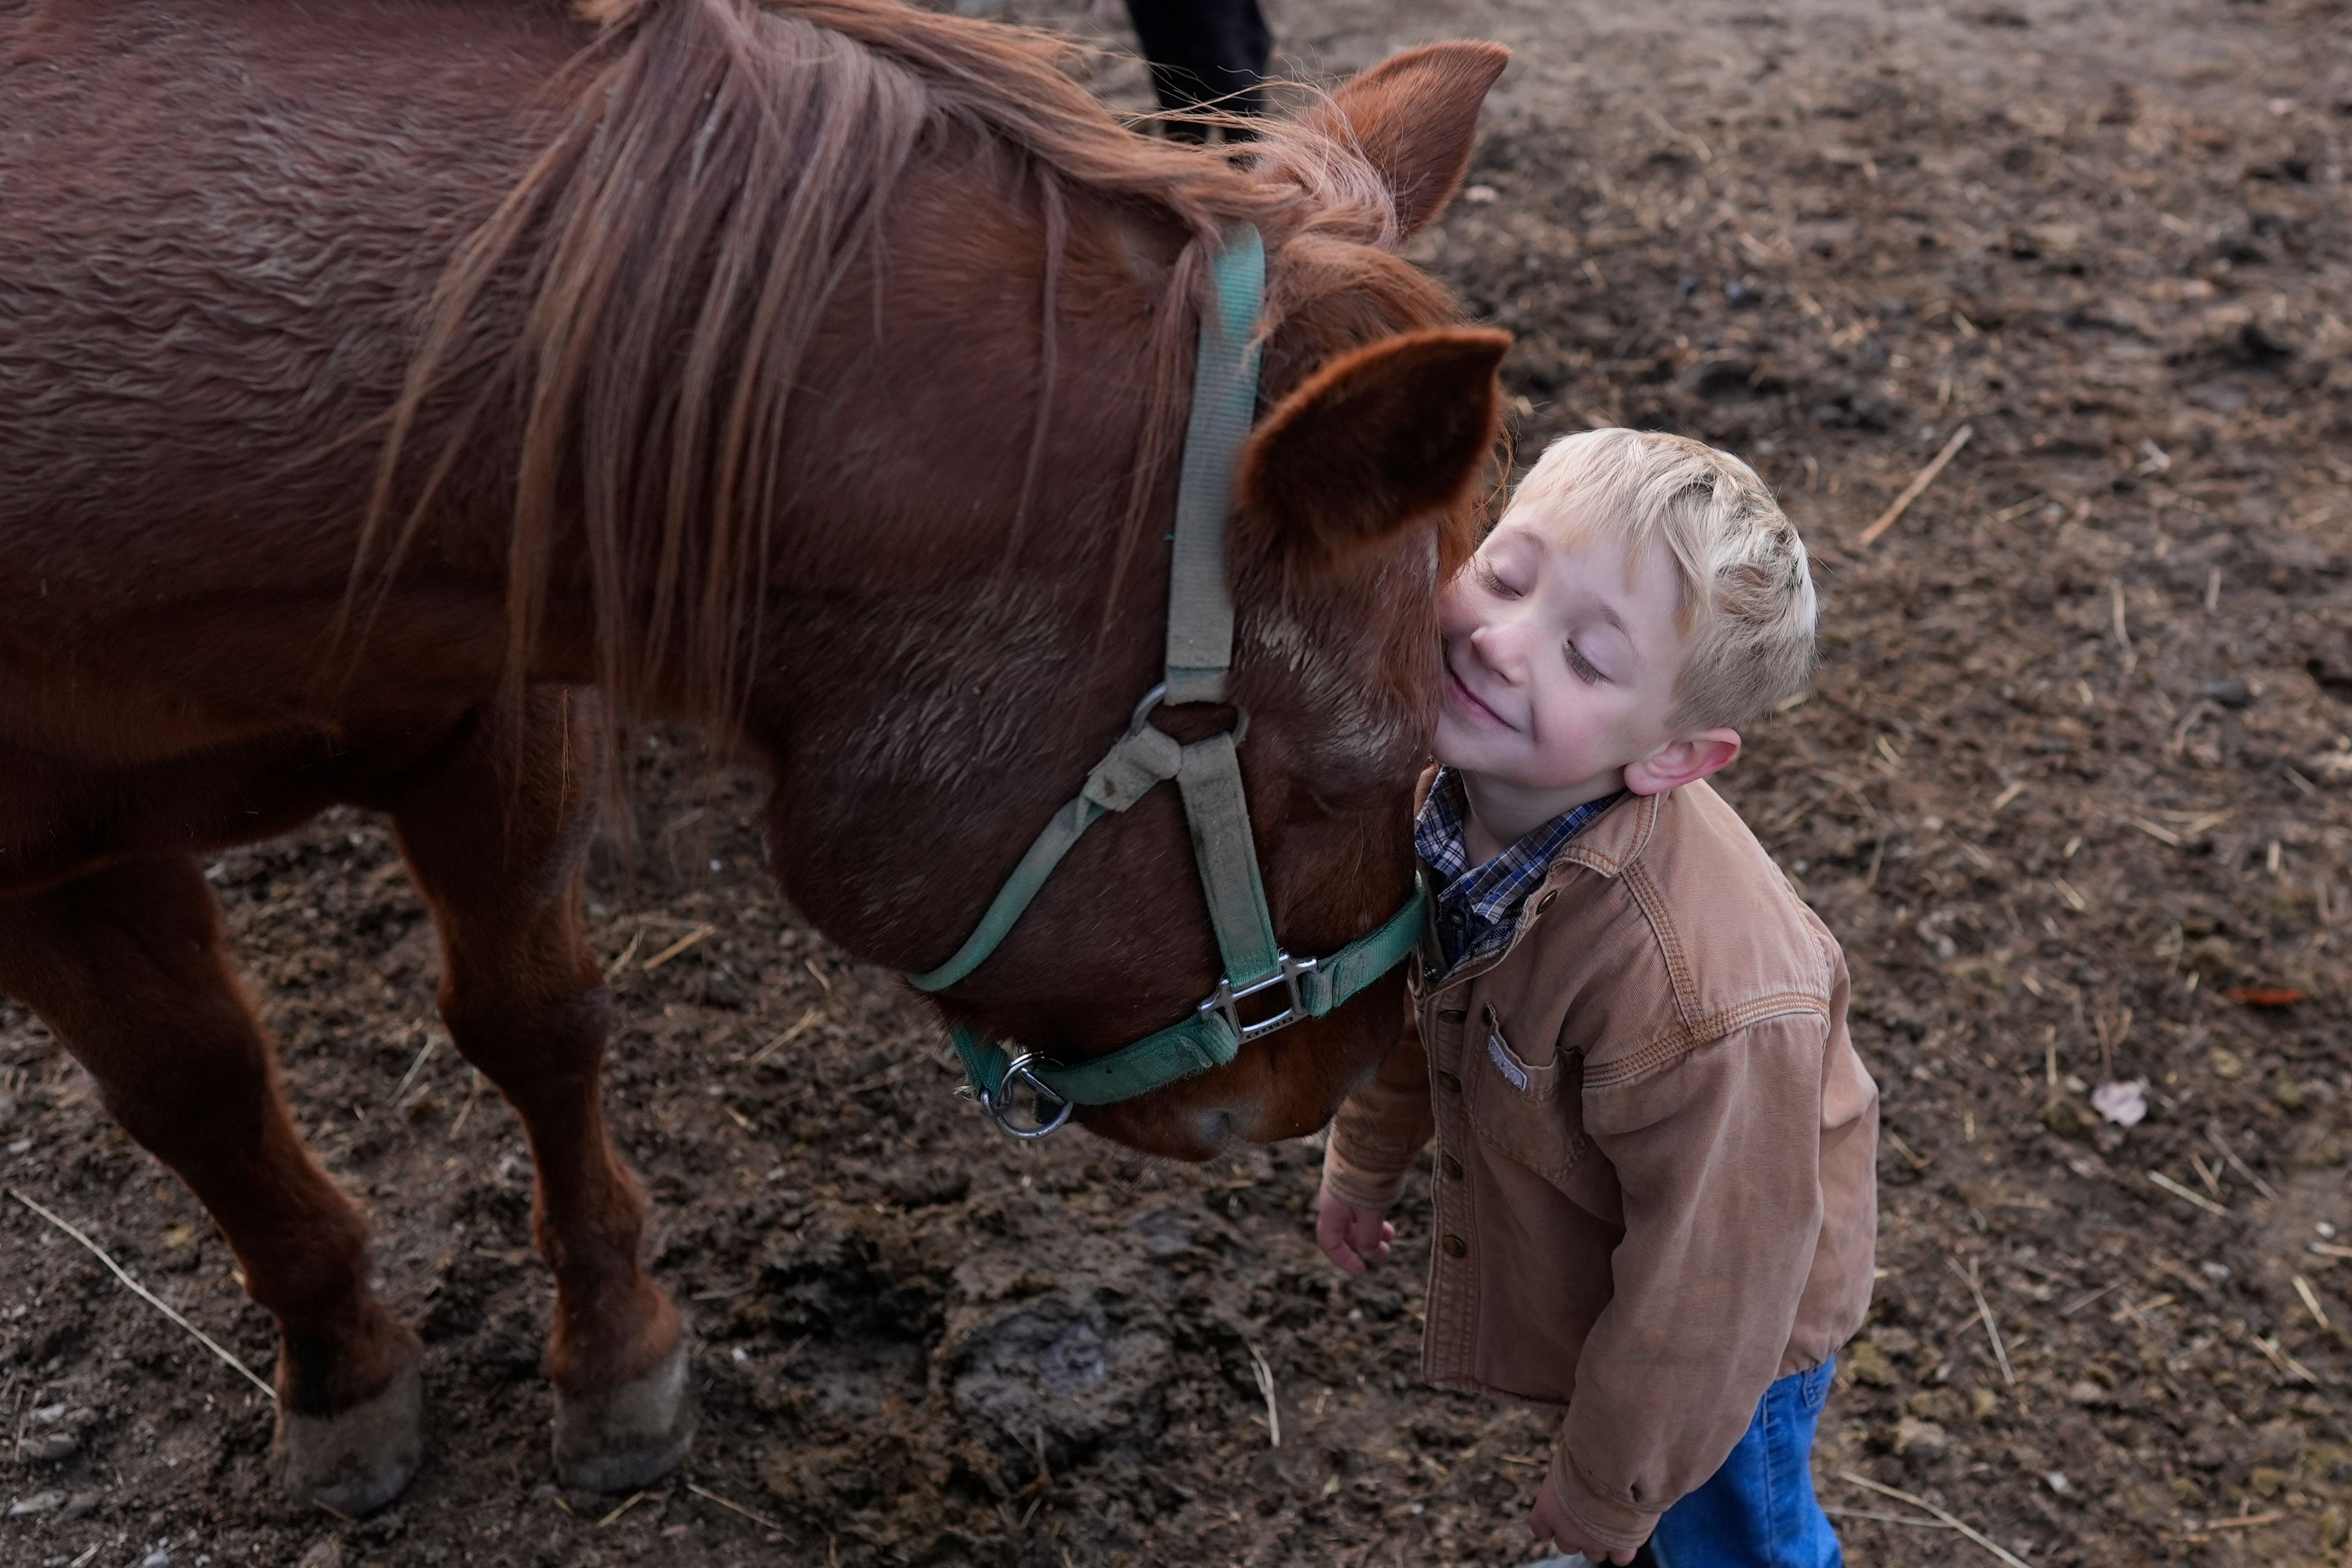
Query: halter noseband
pixel 1207 773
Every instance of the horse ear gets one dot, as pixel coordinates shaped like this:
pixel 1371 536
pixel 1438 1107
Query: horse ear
pixel 1375 440
pixel 1414 115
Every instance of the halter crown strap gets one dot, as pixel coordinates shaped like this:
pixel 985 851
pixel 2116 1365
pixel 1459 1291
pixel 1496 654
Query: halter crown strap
pixel 1225 403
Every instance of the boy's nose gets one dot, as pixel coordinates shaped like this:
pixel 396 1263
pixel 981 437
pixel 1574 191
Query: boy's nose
pixel 1498 648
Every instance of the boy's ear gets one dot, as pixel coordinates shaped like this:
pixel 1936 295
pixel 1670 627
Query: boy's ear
pixel 1374 441
pixel 1686 760
pixel 1414 115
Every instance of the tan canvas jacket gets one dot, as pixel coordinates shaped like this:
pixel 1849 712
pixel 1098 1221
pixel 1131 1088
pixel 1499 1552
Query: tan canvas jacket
pixel 1655 1185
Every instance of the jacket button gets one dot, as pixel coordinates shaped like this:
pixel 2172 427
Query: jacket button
pixel 1452 1014
pixel 1453 1167
pixel 1453 1085
pixel 1456 1247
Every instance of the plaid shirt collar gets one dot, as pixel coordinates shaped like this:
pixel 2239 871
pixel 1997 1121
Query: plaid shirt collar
pixel 1478 907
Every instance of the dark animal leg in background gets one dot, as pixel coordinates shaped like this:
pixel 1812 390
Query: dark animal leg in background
pixel 127 968
pixel 496 838
pixel 1203 52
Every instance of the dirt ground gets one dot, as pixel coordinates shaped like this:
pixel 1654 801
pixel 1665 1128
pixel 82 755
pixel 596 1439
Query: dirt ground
pixel 2075 790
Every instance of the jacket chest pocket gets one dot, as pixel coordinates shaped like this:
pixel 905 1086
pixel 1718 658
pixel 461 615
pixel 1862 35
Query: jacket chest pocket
pixel 1528 1110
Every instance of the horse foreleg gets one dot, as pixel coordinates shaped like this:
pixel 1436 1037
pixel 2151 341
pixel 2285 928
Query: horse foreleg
pixel 495 840
pixel 127 968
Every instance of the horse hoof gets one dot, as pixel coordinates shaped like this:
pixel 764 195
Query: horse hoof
pixel 630 1438
pixel 356 1462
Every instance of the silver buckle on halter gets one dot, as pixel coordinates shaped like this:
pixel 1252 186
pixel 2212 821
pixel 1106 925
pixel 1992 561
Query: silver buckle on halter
pixel 1226 1000
pixel 1004 1105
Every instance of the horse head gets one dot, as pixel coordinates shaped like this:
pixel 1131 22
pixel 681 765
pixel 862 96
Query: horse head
pixel 1357 483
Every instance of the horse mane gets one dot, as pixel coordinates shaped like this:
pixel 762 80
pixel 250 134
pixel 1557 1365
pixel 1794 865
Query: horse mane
pixel 673 266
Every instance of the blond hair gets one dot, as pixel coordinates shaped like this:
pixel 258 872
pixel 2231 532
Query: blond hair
pixel 1746 606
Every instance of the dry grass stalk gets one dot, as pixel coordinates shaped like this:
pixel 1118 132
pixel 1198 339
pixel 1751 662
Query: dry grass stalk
pixel 2206 1175
pixel 1918 1161
pixel 2214 1132
pixel 424 1054
pixel 624 1507
pixel 808 1021
pixel 2076 1305
pixel 707 1495
pixel 637 939
pixel 1265 1375
pixel 1984 1311
pixel 1953 1520
pixel 473 1093
pixel 1706 153
pixel 150 1297
pixel 1884 1518
pixel 2250 1521
pixel 697 934
pixel 2311 1303
pixel 887 1075
pixel 2275 1353
pixel 2190 1193
pixel 1918 485
pixel 2007 793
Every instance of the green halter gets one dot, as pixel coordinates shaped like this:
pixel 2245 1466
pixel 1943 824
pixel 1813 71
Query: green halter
pixel 1207 775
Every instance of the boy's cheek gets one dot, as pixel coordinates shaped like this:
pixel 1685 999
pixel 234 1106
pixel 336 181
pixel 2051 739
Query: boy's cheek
pixel 1456 616
pixel 1447 747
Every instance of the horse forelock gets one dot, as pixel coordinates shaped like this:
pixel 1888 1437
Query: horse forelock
pixel 719 166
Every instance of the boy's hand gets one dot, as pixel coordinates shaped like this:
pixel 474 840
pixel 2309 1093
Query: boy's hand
pixel 1356 1238
pixel 1551 1523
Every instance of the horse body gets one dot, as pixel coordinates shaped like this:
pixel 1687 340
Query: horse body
pixel 216 235
pixel 378 378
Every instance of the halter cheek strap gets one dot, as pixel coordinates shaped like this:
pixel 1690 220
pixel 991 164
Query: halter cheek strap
pixel 1207 775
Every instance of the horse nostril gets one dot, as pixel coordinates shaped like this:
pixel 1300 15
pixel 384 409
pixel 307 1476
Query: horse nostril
pixel 1217 1129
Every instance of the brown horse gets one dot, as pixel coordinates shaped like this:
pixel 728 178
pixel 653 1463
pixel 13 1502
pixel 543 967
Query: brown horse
pixel 394 395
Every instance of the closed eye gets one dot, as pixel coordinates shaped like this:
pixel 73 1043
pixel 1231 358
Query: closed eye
pixel 1585 669
pixel 1492 579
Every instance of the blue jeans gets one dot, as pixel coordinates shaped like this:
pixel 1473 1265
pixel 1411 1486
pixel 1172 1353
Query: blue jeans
pixel 1758 1510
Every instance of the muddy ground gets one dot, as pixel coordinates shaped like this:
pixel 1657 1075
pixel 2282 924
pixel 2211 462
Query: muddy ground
pixel 2075 783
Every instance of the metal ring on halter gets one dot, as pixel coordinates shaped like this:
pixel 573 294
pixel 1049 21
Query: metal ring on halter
pixel 1000 1100
pixel 1158 694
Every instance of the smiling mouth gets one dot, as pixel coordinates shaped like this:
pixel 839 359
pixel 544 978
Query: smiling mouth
pixel 1465 699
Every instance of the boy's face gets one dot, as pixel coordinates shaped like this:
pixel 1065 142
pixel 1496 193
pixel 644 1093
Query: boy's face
pixel 1562 662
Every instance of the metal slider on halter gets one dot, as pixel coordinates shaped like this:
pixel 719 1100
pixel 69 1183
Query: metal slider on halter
pixel 1207 775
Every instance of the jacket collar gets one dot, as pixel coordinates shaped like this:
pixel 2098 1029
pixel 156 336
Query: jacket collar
pixel 1608 846
pixel 1617 841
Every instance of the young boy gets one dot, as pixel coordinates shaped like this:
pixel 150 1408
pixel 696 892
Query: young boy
pixel 1655 1192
